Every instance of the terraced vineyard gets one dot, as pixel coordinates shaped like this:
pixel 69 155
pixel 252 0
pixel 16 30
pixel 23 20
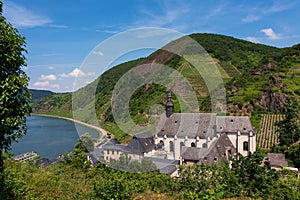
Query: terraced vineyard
pixel 267 135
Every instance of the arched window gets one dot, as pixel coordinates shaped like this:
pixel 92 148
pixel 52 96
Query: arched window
pixel 204 145
pixel 171 144
pixel 160 145
pixel 245 146
pixel 181 144
pixel 193 144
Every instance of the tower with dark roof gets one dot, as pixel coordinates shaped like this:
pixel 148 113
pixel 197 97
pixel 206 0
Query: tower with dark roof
pixel 169 104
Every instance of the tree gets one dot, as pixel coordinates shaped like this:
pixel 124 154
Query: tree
pixel 289 128
pixel 14 94
pixel 293 154
pixel 87 141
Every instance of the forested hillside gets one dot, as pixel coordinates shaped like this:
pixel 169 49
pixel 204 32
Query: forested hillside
pixel 39 94
pixel 258 79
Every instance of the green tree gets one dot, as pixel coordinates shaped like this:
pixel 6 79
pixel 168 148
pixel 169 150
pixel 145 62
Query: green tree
pixel 289 127
pixel 87 141
pixel 293 154
pixel 14 94
pixel 78 158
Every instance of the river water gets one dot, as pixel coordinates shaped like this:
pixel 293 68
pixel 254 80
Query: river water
pixel 50 137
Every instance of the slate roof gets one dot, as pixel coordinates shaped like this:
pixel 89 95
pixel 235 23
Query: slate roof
pixel 168 169
pixel 141 143
pixel 116 147
pixel 276 159
pixel 201 125
pixel 218 149
pixel 191 125
pixel 165 166
pixel 233 124
pixel 192 153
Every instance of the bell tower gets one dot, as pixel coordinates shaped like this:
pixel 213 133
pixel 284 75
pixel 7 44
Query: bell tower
pixel 169 104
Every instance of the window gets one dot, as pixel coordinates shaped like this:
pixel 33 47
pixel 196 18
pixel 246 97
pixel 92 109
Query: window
pixel 204 145
pixel 229 152
pixel 107 151
pixel 160 145
pixel 171 146
pixel 181 144
pixel 112 152
pixel 246 146
pixel 193 144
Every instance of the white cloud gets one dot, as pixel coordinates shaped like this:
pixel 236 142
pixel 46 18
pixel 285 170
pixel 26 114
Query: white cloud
pixel 41 84
pixel 250 18
pixel 76 73
pixel 50 77
pixel 54 86
pixel 271 34
pixel 279 6
pixel 253 39
pixel 51 68
pixel 22 17
pixel 107 31
pixel 168 17
pixel 58 26
pixel 99 53
pixel 216 11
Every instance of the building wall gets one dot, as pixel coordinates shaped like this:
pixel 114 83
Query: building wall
pixel 116 154
pixel 177 141
pixel 237 139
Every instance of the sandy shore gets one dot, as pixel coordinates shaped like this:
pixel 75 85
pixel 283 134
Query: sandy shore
pixel 98 128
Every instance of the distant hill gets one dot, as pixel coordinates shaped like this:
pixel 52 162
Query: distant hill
pixel 258 79
pixel 39 94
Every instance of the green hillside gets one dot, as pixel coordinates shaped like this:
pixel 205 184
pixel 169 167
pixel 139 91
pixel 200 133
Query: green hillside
pixel 39 94
pixel 258 79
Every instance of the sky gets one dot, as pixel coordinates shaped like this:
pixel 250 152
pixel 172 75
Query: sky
pixel 60 35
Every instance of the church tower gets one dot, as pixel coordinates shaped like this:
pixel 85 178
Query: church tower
pixel 169 104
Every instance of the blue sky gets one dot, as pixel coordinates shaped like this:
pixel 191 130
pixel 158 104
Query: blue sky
pixel 61 34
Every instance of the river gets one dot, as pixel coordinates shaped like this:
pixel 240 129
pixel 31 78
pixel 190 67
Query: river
pixel 50 137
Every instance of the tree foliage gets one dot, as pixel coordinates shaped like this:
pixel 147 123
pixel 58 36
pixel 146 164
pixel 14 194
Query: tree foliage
pixel 289 127
pixel 14 94
pixel 245 177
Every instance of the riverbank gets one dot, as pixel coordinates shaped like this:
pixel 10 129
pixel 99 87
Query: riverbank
pixel 97 128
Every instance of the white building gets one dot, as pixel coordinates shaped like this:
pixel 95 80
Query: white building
pixel 202 137
pixel 191 138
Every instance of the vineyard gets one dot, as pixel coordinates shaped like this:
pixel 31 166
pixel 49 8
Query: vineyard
pixel 267 135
